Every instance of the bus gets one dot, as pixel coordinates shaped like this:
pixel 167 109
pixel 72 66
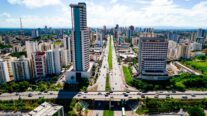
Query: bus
pixel 123 111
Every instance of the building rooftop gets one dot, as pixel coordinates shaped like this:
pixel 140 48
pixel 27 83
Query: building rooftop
pixel 45 109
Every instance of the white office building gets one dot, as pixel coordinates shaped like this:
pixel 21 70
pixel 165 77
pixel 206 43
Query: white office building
pixel 21 69
pixel 4 72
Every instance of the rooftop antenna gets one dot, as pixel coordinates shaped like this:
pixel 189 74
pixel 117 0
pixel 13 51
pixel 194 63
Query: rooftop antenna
pixel 21 28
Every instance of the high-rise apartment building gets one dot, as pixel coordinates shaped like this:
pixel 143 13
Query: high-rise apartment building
pixel 68 47
pixel 201 36
pixel 4 72
pixel 53 61
pixel 80 37
pixel 21 69
pixel 63 57
pixel 35 33
pixel 39 62
pixel 152 58
pixel 99 38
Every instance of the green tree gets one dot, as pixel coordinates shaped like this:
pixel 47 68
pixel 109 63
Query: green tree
pixel 196 111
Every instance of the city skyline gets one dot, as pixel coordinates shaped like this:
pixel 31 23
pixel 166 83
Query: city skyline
pixel 142 13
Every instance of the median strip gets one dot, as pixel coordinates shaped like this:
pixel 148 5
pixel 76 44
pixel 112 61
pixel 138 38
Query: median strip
pixel 107 88
pixel 110 54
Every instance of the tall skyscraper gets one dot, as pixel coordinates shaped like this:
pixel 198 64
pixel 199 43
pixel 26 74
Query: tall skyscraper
pixel 152 58
pixel 4 72
pixel 53 61
pixel 21 69
pixel 80 37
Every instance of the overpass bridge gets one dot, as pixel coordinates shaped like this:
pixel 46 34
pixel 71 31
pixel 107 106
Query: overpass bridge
pixel 105 96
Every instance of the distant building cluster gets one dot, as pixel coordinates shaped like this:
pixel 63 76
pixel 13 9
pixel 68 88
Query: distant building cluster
pixel 49 50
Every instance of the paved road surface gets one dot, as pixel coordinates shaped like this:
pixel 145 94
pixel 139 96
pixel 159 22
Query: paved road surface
pixel 116 80
pixel 101 81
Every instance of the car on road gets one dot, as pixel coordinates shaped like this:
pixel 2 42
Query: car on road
pixel 156 96
pixel 193 95
pixel 84 97
pixel 45 91
pixel 167 96
pixel 142 96
pixel 51 93
pixel 30 95
pixel 99 93
pixel 184 97
pixel 39 93
pixel 17 94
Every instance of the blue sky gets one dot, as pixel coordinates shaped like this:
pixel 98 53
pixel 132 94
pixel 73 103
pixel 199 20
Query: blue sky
pixel 150 13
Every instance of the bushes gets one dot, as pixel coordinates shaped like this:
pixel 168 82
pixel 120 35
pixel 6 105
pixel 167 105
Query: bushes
pixel 196 111
pixel 25 85
pixel 180 82
pixel 18 54
pixel 170 105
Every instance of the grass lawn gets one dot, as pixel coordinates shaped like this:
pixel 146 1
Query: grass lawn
pixel 110 55
pixel 197 65
pixel 108 113
pixel 127 75
pixel 58 43
pixel 107 88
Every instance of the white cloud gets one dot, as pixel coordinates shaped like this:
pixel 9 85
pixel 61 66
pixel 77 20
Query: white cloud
pixel 5 14
pixel 35 3
pixel 154 13
pixel 113 1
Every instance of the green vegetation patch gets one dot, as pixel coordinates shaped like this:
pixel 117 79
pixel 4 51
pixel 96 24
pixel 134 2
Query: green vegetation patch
pixel 108 113
pixel 127 75
pixel 198 63
pixel 58 43
pixel 110 55
pixel 108 87
pixel 153 106
pixel 180 82
pixel 29 105
pixel 29 86
pixel 2 46
pixel 18 54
